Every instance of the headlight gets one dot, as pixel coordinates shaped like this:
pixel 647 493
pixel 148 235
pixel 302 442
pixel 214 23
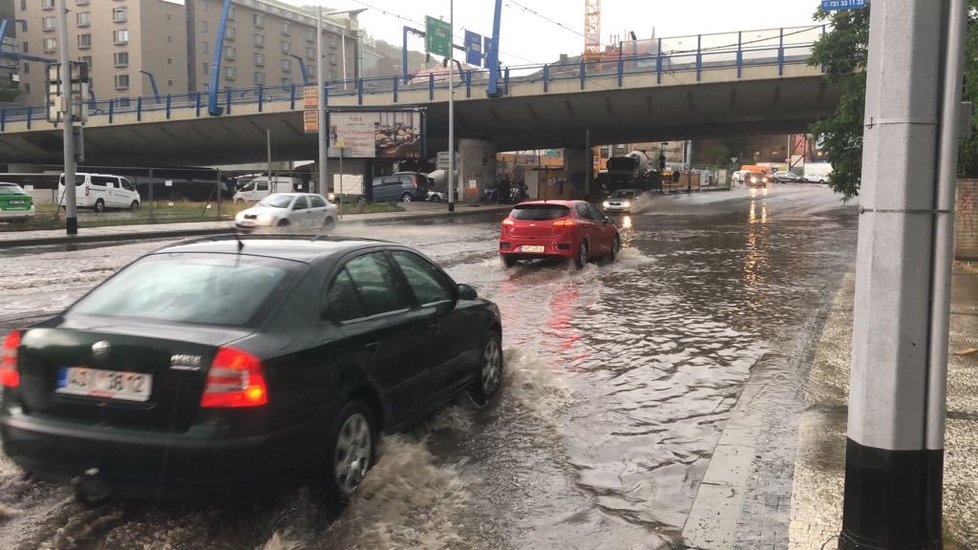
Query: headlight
pixel 265 219
pixel 626 204
pixel 605 204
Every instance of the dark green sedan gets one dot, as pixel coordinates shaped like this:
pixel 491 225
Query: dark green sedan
pixel 225 368
pixel 15 203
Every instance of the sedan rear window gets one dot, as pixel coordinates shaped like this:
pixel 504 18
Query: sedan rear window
pixel 9 189
pixel 217 289
pixel 277 201
pixel 539 212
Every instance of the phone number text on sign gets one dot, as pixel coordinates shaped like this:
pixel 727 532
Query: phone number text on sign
pixel 832 5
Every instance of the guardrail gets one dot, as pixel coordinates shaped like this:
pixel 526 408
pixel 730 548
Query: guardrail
pixel 770 49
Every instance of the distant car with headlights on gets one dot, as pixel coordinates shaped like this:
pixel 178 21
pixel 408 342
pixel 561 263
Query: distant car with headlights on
pixel 622 200
pixel 288 211
pixel 756 179
pixel 15 203
pixel 232 367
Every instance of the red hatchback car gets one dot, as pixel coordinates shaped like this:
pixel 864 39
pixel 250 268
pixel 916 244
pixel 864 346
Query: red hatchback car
pixel 547 229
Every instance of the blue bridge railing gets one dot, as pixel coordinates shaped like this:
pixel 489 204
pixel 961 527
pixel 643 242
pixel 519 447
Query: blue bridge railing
pixel 666 58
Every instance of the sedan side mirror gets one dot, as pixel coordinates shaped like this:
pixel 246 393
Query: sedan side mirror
pixel 465 292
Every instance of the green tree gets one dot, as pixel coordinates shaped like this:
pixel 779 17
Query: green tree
pixel 843 54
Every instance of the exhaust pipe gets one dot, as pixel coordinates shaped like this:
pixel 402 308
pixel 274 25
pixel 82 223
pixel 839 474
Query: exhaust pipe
pixel 90 489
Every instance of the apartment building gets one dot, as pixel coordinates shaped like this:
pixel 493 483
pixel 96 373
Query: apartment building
pixel 266 43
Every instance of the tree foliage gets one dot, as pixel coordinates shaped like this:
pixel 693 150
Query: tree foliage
pixel 843 52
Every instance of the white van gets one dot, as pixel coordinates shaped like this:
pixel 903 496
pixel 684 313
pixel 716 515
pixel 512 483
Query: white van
pixel 259 188
pixel 101 191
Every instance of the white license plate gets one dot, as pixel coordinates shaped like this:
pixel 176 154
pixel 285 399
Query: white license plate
pixel 532 248
pixel 111 384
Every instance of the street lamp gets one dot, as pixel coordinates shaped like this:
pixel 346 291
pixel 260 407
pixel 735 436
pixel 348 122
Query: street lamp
pixel 321 92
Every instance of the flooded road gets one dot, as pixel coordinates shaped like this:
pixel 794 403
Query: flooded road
pixel 620 379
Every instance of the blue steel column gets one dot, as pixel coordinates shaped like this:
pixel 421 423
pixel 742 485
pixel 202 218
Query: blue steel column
pixel 212 107
pixel 493 54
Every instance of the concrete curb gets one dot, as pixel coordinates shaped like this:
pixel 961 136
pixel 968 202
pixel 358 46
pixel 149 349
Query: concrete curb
pixel 161 233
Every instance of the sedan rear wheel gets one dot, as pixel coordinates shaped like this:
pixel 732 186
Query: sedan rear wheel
pixel 582 255
pixel 406 197
pixel 490 371
pixel 99 206
pixel 615 248
pixel 350 453
pixel 508 261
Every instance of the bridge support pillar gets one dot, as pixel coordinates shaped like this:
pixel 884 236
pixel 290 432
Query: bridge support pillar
pixel 477 169
pixel 576 167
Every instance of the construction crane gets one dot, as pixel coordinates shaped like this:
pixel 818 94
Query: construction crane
pixel 592 30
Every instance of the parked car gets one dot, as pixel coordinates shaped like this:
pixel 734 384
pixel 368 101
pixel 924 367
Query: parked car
pixel 261 187
pixel 101 191
pixel 15 203
pixel 622 200
pixel 229 367
pixel 402 186
pixel 786 177
pixel 299 211
pixel 437 196
pixel 567 229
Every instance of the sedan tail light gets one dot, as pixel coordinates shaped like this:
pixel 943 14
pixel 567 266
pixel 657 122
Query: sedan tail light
pixel 236 379
pixel 563 223
pixel 9 376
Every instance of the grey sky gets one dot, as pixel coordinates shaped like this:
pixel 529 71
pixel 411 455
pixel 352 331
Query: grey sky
pixel 530 38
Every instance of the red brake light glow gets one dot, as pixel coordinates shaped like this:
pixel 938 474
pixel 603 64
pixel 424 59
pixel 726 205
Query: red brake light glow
pixel 9 376
pixel 509 222
pixel 235 379
pixel 564 222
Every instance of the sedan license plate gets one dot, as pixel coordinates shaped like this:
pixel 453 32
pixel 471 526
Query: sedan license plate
pixel 111 384
pixel 532 248
pixel 17 203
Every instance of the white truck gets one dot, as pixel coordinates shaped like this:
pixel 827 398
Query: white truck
pixel 260 187
pixel 818 172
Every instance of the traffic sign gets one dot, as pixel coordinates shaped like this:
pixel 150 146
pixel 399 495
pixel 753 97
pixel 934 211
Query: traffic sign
pixel 837 5
pixel 442 163
pixel 438 37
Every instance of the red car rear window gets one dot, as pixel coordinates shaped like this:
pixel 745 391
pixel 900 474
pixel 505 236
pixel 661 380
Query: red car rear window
pixel 539 212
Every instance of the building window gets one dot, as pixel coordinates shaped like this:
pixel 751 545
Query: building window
pixel 230 33
pixel 169 61
pixel 286 46
pixel 120 15
pixel 27 68
pixel 121 59
pixel 84 18
pixel 87 60
pixel 46 4
pixel 121 81
pixel 286 81
pixel 311 53
pixel 120 37
pixel 286 27
pixel 258 20
pixel 310 35
pixel 169 39
pixel 206 67
pixel 231 12
pixel 230 73
pixel 203 24
pixel 48 23
pixel 27 88
pixel 25 47
pixel 259 40
pixel 333 41
pixel 259 59
pixel 229 52
pixel 84 40
pixel 205 47
pixel 259 79
pixel 81 2
pixel 286 65
pixel 332 75
pixel 333 59
pixel 50 45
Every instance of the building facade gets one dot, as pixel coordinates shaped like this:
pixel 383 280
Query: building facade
pixel 125 41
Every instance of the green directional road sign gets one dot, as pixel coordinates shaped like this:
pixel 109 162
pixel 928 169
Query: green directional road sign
pixel 438 37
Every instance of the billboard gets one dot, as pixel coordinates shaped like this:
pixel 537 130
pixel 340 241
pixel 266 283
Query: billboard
pixel 377 134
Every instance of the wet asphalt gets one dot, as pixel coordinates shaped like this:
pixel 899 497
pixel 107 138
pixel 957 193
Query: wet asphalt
pixel 620 380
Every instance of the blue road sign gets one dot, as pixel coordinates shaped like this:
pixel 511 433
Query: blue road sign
pixel 836 5
pixel 473 48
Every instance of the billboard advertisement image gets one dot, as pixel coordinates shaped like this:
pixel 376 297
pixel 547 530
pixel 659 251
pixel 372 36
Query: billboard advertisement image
pixel 377 134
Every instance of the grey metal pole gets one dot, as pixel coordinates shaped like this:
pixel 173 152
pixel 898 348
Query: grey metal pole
pixel 589 160
pixel 268 146
pixel 322 187
pixel 893 480
pixel 339 211
pixel 944 225
pixel 343 53
pixel 451 107
pixel 71 208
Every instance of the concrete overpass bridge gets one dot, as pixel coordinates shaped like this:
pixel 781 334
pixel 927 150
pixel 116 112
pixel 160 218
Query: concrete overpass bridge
pixel 687 87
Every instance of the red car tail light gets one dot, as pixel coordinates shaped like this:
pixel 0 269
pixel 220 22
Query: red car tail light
pixel 563 223
pixel 236 379
pixel 9 376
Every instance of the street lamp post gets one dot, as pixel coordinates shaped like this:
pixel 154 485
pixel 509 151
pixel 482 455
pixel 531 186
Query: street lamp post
pixel 451 107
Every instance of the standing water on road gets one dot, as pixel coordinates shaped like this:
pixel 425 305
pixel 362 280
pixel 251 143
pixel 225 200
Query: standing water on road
pixel 620 379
